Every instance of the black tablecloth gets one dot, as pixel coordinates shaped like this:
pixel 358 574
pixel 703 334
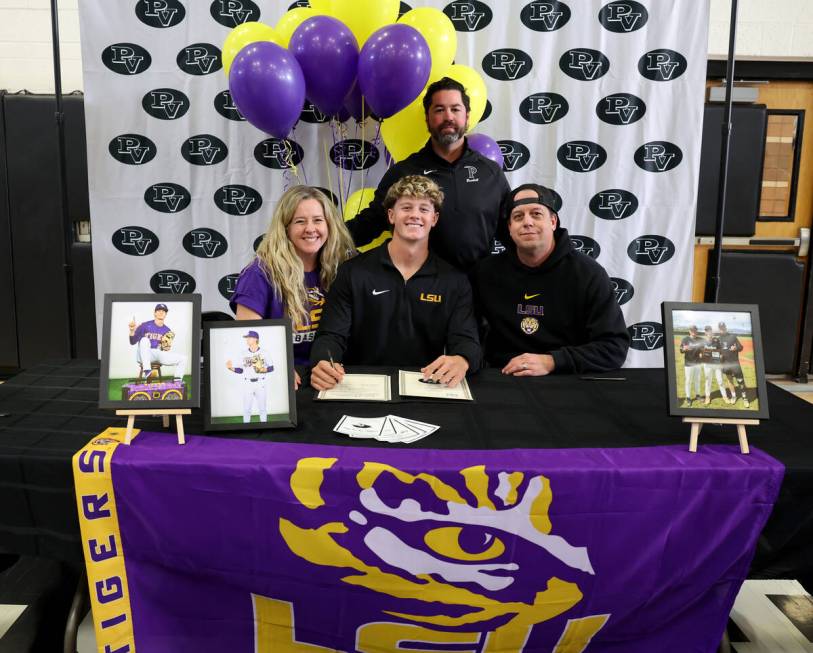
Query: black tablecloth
pixel 51 411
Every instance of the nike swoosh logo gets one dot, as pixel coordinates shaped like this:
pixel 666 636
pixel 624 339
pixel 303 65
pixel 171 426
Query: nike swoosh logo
pixel 379 292
pixel 429 172
pixel 532 296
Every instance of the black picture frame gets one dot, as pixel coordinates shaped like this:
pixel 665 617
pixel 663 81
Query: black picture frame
pixel 223 342
pixel 120 389
pixel 745 375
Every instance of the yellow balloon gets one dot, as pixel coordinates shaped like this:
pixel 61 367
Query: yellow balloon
pixel 355 203
pixel 440 34
pixel 363 17
pixel 240 37
pixel 406 132
pixel 286 26
pixel 475 89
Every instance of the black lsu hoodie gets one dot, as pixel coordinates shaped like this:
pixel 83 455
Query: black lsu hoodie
pixel 566 307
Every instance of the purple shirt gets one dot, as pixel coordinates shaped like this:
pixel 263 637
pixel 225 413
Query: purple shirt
pixel 152 331
pixel 255 292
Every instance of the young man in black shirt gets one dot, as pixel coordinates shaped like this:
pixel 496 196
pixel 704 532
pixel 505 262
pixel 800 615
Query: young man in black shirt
pixel 399 304
pixel 730 348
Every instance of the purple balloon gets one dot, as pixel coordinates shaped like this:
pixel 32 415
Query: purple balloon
pixel 268 87
pixel 353 103
pixel 394 67
pixel 328 53
pixel 486 146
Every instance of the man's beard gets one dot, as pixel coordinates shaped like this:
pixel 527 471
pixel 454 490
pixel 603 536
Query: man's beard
pixel 447 138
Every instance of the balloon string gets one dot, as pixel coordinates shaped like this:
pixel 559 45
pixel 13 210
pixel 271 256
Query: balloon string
pixel 340 167
pixel 362 137
pixel 304 172
pixel 327 169
pixel 343 133
pixel 289 159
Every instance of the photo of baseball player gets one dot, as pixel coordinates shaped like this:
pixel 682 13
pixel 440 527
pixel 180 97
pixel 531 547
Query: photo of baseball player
pixel 153 341
pixel 690 347
pixel 247 370
pixel 150 350
pixel 255 366
pixel 720 361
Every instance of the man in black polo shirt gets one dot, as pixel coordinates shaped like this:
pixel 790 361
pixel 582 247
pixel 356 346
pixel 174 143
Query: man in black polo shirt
pixel 473 186
pixel 399 304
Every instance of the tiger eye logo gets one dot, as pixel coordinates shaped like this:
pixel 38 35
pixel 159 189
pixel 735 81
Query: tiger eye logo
pixel 456 546
pixel 529 325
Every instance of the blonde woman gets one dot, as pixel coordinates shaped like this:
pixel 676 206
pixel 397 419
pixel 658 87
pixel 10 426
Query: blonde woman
pixel 295 265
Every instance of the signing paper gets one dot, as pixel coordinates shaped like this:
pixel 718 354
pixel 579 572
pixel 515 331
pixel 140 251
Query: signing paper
pixel 412 384
pixel 359 387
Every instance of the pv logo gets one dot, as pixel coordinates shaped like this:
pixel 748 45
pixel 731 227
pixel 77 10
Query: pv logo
pixel 299 3
pixel 662 65
pixel 584 64
pixel 623 290
pixel 514 155
pixel 199 59
pixel 238 200
pixel 204 150
pixel 227 285
pixel 231 13
pixel 586 246
pixel 646 336
pixel 613 204
pixel 165 103
pixel 624 16
pixel 620 109
pixel 312 115
pixel 581 156
pixel 354 154
pixel 468 16
pixel 545 16
pixel 507 64
pixel 205 243
pixel 126 58
pixel 132 149
pixel 167 197
pixel 135 241
pixel 543 108
pixel 225 106
pixel 486 111
pixel 174 282
pixel 651 250
pixel 279 153
pixel 160 13
pixel 658 156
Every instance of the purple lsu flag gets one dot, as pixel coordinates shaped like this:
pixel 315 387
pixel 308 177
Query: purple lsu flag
pixel 242 547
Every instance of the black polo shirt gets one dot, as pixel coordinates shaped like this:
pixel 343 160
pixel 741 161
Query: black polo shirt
pixel 373 317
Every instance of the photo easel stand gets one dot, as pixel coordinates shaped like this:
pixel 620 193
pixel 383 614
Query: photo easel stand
pixel 164 412
pixel 697 424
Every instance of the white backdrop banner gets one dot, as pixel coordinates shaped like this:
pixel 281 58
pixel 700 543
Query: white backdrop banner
pixel 601 101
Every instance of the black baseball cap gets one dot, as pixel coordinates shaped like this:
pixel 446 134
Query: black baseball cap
pixel 161 307
pixel 544 196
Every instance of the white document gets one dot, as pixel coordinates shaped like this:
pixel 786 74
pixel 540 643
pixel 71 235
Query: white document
pixel 360 387
pixel 385 429
pixel 360 427
pixel 411 384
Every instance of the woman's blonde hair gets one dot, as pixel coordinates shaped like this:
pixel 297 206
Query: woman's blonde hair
pixel 278 258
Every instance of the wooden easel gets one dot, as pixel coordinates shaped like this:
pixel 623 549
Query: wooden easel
pixel 164 412
pixel 697 424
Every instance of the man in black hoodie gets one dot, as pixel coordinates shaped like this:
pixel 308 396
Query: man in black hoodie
pixel 473 186
pixel 548 307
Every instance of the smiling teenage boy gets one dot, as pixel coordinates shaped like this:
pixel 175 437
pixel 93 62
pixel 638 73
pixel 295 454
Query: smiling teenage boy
pixel 399 304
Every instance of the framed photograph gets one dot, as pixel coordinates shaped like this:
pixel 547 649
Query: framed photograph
pixel 249 370
pixel 150 351
pixel 714 360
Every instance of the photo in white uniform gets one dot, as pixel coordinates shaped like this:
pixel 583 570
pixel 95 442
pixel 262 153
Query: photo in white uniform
pixel 253 366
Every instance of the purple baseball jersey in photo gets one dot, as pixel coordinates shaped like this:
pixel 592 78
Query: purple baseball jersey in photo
pixel 151 331
pixel 256 293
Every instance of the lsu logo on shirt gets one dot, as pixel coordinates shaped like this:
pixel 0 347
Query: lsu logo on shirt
pixel 316 300
pixel 429 297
